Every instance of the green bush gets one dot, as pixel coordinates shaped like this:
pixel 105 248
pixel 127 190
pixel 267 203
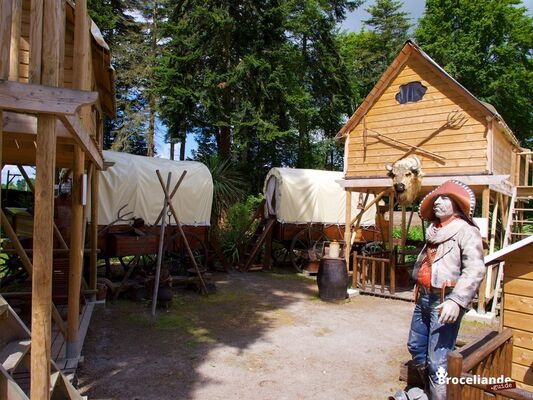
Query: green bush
pixel 231 232
pixel 415 233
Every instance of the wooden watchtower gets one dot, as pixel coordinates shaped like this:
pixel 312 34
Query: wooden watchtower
pixel 416 108
pixel 56 84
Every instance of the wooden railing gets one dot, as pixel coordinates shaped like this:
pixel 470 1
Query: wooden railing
pixel 367 268
pixel 489 356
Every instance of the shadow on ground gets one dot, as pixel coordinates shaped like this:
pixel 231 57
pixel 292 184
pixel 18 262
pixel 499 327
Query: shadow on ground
pixel 128 357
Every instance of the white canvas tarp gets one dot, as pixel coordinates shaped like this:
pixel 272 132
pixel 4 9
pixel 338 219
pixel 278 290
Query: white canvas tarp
pixel 133 181
pixel 308 195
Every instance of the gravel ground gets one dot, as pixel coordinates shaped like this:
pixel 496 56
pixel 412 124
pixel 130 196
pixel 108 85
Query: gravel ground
pixel 261 336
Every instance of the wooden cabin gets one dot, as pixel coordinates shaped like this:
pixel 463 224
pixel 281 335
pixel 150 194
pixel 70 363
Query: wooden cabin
pixel 417 108
pixel 56 85
pixel 517 311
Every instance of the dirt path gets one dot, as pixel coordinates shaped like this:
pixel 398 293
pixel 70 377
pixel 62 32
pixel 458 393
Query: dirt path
pixel 261 336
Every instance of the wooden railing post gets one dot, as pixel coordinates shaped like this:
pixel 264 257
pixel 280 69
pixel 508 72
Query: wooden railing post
pixel 455 370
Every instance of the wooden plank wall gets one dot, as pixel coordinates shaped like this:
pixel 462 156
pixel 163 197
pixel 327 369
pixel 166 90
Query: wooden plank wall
pixel 518 313
pixel 502 152
pixel 465 149
pixel 24 49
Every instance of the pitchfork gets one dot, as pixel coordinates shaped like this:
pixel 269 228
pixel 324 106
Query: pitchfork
pixel 455 120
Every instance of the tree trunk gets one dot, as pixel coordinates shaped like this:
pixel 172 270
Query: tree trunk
pixel 171 150
pixel 151 96
pixel 183 140
pixel 224 142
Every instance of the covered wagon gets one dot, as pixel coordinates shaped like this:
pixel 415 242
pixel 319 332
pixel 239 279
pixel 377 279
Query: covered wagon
pixel 304 209
pixel 131 201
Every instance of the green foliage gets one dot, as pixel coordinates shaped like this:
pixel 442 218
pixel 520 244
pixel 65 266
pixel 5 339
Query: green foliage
pixel 415 233
pixel 487 46
pixel 228 185
pixel 232 235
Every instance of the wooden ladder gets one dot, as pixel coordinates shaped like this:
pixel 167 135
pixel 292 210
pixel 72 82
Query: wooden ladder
pixel 15 353
pixel 252 249
pixel 515 229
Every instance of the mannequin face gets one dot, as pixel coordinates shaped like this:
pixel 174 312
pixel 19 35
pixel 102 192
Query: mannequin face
pixel 444 208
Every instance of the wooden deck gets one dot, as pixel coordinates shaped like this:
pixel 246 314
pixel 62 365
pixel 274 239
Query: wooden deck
pixel 402 293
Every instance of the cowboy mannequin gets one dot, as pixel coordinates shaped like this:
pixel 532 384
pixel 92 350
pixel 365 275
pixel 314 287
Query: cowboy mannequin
pixel 448 273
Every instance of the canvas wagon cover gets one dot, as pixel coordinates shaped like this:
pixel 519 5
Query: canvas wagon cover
pixel 133 181
pixel 308 195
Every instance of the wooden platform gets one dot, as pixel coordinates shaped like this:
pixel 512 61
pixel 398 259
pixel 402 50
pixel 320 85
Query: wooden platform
pixel 402 293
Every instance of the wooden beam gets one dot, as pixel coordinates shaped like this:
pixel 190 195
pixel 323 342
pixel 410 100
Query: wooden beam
pixel 485 211
pixel 84 139
pixel 31 98
pixel 94 229
pixel 428 181
pixel 348 228
pixel 52 45
pixel 15 40
pixel 76 255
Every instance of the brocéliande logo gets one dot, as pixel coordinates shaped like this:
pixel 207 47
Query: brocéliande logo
pixel 492 383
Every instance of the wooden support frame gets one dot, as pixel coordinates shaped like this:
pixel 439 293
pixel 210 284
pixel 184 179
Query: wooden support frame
pixel 76 254
pixel 39 99
pixel 348 229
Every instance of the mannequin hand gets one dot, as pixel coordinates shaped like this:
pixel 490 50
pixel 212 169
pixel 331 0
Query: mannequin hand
pixel 449 311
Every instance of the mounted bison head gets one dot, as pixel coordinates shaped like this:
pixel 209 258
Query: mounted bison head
pixel 406 177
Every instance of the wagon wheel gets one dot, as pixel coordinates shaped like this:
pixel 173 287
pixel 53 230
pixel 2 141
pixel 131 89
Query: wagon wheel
pixel 177 257
pixel 11 269
pixel 305 246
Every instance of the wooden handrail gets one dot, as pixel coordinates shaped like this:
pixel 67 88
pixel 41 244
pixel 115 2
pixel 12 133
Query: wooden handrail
pixel 515 394
pixel 481 349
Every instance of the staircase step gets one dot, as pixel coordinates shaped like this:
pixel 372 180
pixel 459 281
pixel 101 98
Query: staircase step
pixel 13 353
pixel 521 234
pixel 523 221
pixel 523 209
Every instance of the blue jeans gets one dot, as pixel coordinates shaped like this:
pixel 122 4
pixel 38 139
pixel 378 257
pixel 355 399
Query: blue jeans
pixel 430 341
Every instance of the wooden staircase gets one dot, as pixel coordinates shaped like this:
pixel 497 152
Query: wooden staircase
pixel 250 253
pixel 15 353
pixel 521 213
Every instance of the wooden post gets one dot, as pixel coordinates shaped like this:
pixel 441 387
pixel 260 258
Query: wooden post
pixel 76 254
pixel 493 223
pixel 455 370
pixel 6 9
pixel 94 229
pixel 36 40
pixel 15 40
pixel 348 228
pixel 485 211
pixel 267 257
pixel 391 219
pixel 52 45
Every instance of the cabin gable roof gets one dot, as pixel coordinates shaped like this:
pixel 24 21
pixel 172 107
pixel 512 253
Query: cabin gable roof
pixel 410 49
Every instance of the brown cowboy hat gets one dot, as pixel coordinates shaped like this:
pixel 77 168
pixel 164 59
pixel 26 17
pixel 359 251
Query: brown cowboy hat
pixel 461 194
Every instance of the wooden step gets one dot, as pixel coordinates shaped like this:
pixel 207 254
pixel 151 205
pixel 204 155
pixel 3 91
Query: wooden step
pixel 521 234
pixel 523 209
pixel 13 353
pixel 523 221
